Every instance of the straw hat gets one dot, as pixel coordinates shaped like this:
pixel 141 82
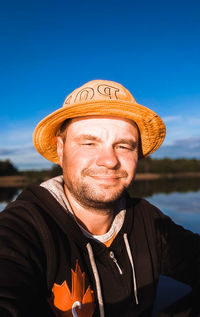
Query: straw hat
pixel 100 97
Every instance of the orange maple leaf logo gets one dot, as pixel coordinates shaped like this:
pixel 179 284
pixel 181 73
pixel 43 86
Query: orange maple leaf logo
pixel 76 303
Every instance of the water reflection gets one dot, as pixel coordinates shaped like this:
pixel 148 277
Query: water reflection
pixel 8 194
pixel 183 208
pixel 178 198
pixel 164 185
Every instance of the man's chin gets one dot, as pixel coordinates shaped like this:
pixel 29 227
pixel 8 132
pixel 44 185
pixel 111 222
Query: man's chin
pixel 104 202
pixel 96 197
pixel 99 205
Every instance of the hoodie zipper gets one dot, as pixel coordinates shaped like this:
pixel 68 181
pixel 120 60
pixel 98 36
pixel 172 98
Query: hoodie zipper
pixel 112 256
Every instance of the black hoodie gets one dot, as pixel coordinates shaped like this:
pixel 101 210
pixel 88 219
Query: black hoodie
pixel 48 267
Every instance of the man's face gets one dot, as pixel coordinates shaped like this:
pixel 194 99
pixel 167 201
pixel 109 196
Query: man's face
pixel 99 158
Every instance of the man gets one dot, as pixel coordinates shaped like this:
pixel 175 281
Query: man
pixel 78 245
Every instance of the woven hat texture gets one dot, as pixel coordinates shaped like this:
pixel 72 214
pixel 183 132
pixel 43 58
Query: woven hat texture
pixel 100 97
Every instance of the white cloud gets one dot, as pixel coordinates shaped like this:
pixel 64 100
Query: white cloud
pixel 182 148
pixel 181 127
pixel 24 157
pixel 169 119
pixel 16 145
pixel 16 134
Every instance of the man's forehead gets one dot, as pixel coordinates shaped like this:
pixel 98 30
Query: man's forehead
pixel 88 119
pixel 99 124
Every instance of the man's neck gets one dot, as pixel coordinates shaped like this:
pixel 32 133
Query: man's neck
pixel 96 222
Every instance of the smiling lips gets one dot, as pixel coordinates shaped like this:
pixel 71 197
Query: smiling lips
pixel 103 175
pixel 107 179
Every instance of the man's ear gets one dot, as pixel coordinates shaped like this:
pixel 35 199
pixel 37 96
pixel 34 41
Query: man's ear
pixel 60 146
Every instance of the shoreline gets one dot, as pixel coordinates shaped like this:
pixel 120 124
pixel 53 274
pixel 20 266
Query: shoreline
pixel 22 181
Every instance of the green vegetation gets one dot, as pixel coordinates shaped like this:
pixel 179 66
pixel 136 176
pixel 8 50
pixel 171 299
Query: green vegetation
pixel 42 175
pixel 168 166
pixel 7 168
pixel 146 188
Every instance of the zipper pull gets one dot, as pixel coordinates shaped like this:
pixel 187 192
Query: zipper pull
pixel 112 256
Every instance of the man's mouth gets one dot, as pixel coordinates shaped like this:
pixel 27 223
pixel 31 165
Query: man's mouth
pixel 108 179
pixel 106 176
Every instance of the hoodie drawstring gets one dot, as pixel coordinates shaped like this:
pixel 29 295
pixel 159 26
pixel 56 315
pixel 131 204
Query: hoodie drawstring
pixel 128 249
pixel 96 274
pixel 97 280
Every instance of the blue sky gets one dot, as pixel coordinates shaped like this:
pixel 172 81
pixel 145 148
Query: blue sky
pixel 49 48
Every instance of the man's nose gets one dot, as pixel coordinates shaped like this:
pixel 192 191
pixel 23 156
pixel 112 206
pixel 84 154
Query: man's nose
pixel 108 158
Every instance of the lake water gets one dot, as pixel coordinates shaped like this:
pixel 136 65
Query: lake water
pixel 179 199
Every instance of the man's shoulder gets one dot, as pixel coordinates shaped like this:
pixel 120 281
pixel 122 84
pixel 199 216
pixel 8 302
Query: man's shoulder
pixel 25 203
pixel 32 201
pixel 143 208
pixel 29 196
pixel 136 202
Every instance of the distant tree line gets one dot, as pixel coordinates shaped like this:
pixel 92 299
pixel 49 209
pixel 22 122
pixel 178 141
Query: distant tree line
pixel 147 165
pixel 35 176
pixel 42 175
pixel 144 188
pixel 7 168
pixel 167 165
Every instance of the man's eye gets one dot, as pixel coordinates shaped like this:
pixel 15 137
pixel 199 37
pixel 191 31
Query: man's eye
pixel 124 147
pixel 88 144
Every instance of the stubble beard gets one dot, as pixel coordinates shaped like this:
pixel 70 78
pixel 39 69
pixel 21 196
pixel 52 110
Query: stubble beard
pixel 96 198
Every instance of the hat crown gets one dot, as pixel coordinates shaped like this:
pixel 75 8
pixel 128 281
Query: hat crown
pixel 99 90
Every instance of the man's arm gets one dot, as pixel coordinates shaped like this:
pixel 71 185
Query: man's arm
pixel 23 263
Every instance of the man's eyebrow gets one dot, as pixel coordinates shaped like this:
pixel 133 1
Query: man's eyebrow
pixel 91 137
pixel 130 142
pixel 87 137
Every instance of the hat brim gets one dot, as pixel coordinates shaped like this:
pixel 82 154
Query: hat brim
pixel 151 127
